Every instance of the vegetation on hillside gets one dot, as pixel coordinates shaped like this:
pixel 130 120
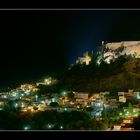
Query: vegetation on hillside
pixel 122 73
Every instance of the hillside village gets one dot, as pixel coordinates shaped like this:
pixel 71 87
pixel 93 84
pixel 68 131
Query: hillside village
pixel 96 84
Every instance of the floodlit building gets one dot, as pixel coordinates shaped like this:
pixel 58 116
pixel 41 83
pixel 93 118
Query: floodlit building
pixel 127 121
pixel 3 102
pixel 48 81
pixel 137 95
pixel 97 103
pixel 114 49
pixel 25 87
pixel 85 59
pixel 122 99
pixel 117 127
pixel 35 89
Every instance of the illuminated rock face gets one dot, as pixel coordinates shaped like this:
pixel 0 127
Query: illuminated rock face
pixel 115 49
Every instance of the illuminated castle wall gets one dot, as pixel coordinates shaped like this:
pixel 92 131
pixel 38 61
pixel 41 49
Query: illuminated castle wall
pixel 115 49
pixel 85 59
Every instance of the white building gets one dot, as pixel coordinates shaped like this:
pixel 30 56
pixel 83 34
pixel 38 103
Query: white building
pixel 115 49
pixel 120 93
pixel 81 95
pixel 122 99
pixel 85 59
pixel 117 127
pixel 137 95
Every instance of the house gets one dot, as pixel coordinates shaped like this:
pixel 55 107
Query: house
pixel 85 59
pixel 130 91
pixel 137 95
pixel 104 93
pixel 120 93
pixel 97 103
pixel 128 121
pixel 127 129
pixel 81 95
pixel 122 99
pixel 116 128
pixel 3 102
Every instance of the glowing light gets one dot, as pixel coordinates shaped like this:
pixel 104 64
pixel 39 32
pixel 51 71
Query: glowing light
pixel 35 89
pixel 4 96
pixel 85 59
pixel 16 105
pixel 64 93
pixel 78 106
pixel 43 102
pixel 36 97
pixel 61 127
pixel 53 100
pixel 49 126
pixel 22 105
pixel 46 80
pixel 25 110
pixel 120 113
pixel 65 109
pixel 26 127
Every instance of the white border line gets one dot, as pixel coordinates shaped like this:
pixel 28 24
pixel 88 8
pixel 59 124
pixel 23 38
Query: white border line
pixel 71 9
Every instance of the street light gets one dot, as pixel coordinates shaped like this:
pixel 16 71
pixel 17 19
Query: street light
pixel 36 97
pixel 65 109
pixel 49 126
pixel 22 105
pixel 61 127
pixel 120 113
pixel 64 93
pixel 46 80
pixel 26 127
pixel 16 105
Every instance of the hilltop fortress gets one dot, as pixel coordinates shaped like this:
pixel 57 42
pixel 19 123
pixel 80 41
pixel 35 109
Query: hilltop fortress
pixel 113 50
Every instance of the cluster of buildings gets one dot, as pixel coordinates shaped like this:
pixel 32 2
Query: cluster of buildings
pixel 27 99
pixel 48 81
pixel 111 51
pixel 123 96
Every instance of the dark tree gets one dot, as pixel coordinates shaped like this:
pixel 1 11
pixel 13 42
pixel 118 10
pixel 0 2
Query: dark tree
pixel 54 104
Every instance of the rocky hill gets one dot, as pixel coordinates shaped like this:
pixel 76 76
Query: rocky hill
pixel 122 74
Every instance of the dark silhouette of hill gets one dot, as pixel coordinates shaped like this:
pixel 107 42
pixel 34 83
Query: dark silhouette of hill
pixel 120 75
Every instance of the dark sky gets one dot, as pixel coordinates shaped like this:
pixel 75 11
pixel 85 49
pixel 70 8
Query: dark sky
pixel 34 43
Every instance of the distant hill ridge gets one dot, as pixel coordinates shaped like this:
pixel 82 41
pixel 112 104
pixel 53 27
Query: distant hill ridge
pixel 121 74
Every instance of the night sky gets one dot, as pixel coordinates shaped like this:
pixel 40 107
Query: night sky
pixel 35 43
